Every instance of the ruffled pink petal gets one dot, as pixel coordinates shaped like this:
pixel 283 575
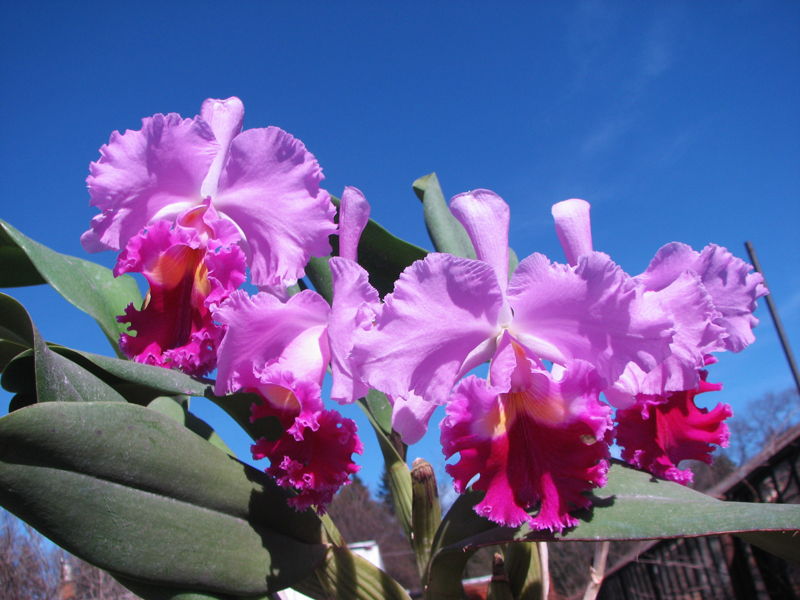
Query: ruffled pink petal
pixel 174 328
pixel 225 117
pixel 591 312
pixel 697 334
pixel 355 306
pixel 657 433
pixel 728 280
pixel 485 216
pixel 734 290
pixel 442 309
pixel 574 228
pixel 529 446
pixel 313 456
pixel 353 217
pixel 270 189
pixel 259 330
pixel 154 173
pixel 410 417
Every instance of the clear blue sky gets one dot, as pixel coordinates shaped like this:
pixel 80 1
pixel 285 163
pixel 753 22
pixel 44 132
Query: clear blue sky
pixel 675 120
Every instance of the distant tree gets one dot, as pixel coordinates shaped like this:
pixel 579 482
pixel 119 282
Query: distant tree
pixel 707 476
pixel 360 519
pixel 761 423
pixel 33 568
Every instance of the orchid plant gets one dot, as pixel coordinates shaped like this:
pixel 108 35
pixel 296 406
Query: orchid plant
pixel 103 455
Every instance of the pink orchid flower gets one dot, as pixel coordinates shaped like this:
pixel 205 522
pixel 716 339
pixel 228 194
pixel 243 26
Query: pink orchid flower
pixel 263 181
pixel 447 315
pixel 711 296
pixel 280 351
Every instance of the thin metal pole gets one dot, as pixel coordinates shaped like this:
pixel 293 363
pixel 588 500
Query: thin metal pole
pixel 787 349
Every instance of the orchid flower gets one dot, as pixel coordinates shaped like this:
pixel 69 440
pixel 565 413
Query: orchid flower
pixel 711 296
pixel 191 266
pixel 447 315
pixel 263 181
pixel 532 438
pixel 280 351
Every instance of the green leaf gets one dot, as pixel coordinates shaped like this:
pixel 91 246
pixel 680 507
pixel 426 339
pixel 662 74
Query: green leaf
pixel 8 352
pixel 132 491
pixel 88 286
pixel 55 377
pixel 632 506
pixel 168 406
pixel 443 579
pixel 141 384
pixel 154 592
pixel 380 409
pixel 319 272
pixel 18 270
pixel 136 382
pixel 446 233
pixel 15 322
pixel 523 564
pixel 513 262
pixel 344 574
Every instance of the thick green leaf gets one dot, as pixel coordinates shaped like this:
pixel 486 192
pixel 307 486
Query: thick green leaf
pixel 59 379
pixel 154 592
pixel 380 409
pixel 524 564
pixel 632 506
pixel 167 405
pixel 443 579
pixel 55 377
pixel 344 574
pixel 140 384
pixel 8 352
pixel 88 286
pixel 446 233
pixel 15 322
pixel 136 382
pixel 319 272
pixel 132 491
pixel 18 270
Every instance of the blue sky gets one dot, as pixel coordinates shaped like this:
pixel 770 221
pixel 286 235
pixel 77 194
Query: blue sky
pixel 675 120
